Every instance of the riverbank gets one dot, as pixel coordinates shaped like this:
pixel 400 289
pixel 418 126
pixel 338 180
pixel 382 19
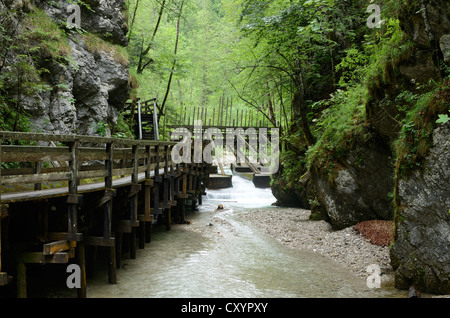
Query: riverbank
pixel 292 227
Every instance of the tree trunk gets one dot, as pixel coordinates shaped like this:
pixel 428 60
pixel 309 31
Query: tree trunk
pixel 270 106
pixel 300 109
pixel 141 66
pixel 161 110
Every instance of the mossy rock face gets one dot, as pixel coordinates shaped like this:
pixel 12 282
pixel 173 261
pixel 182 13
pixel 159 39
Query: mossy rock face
pixel 361 188
pixel 421 253
pixel 290 196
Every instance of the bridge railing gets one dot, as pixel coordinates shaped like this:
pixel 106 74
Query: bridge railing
pixel 44 160
pixel 70 166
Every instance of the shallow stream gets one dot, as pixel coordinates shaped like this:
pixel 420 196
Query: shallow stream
pixel 220 255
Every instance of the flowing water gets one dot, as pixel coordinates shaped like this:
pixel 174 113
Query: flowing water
pixel 219 255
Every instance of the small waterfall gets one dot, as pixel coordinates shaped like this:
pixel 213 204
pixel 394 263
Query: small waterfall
pixel 243 192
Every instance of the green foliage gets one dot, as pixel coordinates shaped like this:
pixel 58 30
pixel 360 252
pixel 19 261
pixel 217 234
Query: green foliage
pixel 352 67
pixel 341 127
pixel 122 129
pixel 37 44
pixel 415 138
pixel 45 37
pixel 387 49
pixel 443 119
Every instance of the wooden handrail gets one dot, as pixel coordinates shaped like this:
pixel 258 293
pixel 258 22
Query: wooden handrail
pixel 136 155
pixel 79 138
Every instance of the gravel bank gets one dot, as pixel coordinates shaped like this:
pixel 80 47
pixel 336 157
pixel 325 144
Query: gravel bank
pixel 292 227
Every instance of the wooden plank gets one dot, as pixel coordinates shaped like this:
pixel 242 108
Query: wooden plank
pixel 36 178
pixel 99 241
pixel 79 138
pixel 55 247
pixel 40 258
pixel 34 153
pixel 61 236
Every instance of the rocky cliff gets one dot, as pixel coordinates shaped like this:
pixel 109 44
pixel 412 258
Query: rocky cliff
pixel 368 182
pixel 421 253
pixel 83 73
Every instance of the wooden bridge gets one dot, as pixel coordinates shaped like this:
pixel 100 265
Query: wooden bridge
pixel 224 122
pixel 61 195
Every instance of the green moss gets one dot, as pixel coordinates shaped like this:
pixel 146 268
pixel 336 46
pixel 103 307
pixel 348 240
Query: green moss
pixel 386 55
pixel 96 45
pixel 415 138
pixel 44 35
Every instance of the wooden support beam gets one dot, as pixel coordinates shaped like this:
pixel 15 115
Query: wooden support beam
pixel 40 258
pixel 107 202
pixel 59 236
pixel 99 241
pixel 21 280
pixel 82 263
pixel 73 188
pixel 56 247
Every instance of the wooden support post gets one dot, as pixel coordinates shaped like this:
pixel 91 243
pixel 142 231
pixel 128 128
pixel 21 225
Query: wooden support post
pixel 3 276
pixel 21 280
pixel 134 200
pixel 182 209
pixel 169 219
pixel 226 113
pixel 38 170
pixel 166 180
pixel 148 194
pixel 193 117
pixel 107 213
pixel 133 243
pixel 82 263
pixel 157 179
pixel 118 239
pixel 190 178
pixel 73 189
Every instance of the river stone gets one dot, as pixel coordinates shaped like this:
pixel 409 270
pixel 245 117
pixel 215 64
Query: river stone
pixel 361 189
pixel 421 253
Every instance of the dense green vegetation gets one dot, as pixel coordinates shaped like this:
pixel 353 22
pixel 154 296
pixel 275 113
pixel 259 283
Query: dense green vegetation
pixel 308 66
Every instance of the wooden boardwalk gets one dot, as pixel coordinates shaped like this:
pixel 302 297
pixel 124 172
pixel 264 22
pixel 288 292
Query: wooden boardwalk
pixel 61 195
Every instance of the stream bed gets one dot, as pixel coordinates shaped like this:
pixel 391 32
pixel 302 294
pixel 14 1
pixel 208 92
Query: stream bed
pixel 219 255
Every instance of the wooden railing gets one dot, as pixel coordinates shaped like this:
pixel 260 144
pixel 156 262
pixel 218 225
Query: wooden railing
pixel 43 166
pixel 47 159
